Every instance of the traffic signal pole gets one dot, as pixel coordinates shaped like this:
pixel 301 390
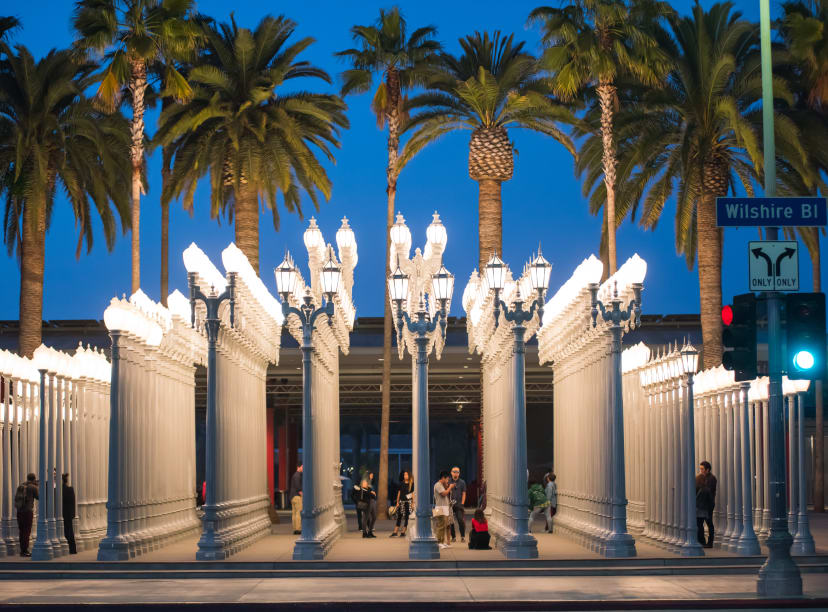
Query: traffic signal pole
pixel 779 576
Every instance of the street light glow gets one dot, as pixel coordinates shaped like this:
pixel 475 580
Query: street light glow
pixel 804 360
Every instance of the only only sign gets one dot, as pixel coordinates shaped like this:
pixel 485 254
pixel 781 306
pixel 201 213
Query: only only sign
pixel 774 265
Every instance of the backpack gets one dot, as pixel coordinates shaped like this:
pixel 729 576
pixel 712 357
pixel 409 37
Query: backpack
pixel 20 497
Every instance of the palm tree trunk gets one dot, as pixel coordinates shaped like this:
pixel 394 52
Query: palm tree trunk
pixel 606 97
pixel 819 425
pixel 709 253
pixel 32 258
pixel 490 221
pixel 392 116
pixel 138 87
pixel 247 223
pixel 166 160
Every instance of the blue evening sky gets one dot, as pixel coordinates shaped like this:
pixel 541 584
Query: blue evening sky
pixel 542 203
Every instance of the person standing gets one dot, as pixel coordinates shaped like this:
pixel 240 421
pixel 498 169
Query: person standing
pixel 69 509
pixel 372 504
pixel 458 503
pixel 24 504
pixel 705 502
pixel 296 500
pixel 363 495
pixel 552 498
pixel 442 507
pixel 405 493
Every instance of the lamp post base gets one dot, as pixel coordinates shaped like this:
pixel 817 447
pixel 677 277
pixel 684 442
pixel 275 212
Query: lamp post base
pixel 779 576
pixel 803 543
pixel 619 545
pixel 518 546
pixel 420 549
pixel 309 550
pixel 42 551
pixel 113 550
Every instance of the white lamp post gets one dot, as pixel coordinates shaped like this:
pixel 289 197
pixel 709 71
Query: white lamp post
pixel 403 289
pixel 689 364
pixel 308 546
pixel 803 542
pixel 619 542
pixel 521 544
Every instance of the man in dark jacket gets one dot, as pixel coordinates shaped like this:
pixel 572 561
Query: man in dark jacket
pixel 705 502
pixel 25 512
pixel 69 514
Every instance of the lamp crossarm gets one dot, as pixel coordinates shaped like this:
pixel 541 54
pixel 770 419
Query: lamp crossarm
pixel 212 303
pixel 307 314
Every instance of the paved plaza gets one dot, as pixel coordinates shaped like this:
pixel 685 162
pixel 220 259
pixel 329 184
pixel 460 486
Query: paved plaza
pixel 368 574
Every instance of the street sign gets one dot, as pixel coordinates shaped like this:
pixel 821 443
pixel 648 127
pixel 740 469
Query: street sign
pixel 781 212
pixel 774 265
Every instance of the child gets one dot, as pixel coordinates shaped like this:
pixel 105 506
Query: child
pixel 479 536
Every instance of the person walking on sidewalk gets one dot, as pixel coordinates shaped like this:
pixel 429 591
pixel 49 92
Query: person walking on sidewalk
pixel 24 504
pixel 69 509
pixel 405 495
pixel 705 502
pixel 458 502
pixel 552 498
pixel 442 505
pixel 296 500
pixel 363 495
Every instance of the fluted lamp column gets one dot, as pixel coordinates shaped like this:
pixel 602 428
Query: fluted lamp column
pixel 689 365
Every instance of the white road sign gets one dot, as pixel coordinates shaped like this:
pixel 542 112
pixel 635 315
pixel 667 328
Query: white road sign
pixel 774 265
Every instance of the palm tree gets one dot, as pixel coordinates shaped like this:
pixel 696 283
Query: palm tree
pixel 590 44
pixel 7 25
pixel 400 62
pixel 52 137
pixel 134 35
pixel 252 137
pixel 805 36
pixel 492 86
pixel 697 138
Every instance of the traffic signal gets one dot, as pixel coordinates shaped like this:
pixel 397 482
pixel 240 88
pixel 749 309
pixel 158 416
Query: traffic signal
pixel 739 336
pixel 805 313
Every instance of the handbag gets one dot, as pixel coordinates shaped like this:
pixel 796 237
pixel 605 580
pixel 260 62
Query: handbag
pixel 392 510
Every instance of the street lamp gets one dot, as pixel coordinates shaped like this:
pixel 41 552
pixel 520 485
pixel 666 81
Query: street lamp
pixel 212 300
pixel 803 542
pixel 411 280
pixel 287 278
pixel 619 542
pixel 423 544
pixel 688 365
pixel 539 270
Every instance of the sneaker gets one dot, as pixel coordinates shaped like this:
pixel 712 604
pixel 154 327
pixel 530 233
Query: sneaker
pixel 297 532
pixel 393 535
pixel 454 540
pixel 26 554
pixel 443 545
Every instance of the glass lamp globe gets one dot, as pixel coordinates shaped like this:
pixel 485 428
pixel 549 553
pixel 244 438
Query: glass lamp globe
pixel 400 234
pixel 689 359
pixel 398 285
pixel 313 236
pixel 345 238
pixel 442 284
pixel 330 276
pixel 436 232
pixel 285 276
pixel 539 272
pixel 496 273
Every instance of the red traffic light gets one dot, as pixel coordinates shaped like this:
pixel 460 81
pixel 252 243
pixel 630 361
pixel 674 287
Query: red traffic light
pixel 727 314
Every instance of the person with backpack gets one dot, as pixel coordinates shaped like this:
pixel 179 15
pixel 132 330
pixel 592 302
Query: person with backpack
pixel 24 504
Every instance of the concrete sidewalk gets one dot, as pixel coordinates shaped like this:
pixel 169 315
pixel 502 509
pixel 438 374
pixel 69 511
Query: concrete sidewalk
pixel 598 592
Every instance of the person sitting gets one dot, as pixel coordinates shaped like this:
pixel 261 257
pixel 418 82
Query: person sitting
pixel 479 536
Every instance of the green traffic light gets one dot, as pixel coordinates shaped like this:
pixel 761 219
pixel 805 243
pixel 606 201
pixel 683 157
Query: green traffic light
pixel 803 360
